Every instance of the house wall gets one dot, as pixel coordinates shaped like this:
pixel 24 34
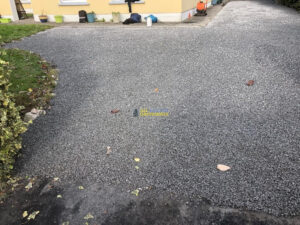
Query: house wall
pixel 5 9
pixel 164 9
pixel 8 9
pixel 27 7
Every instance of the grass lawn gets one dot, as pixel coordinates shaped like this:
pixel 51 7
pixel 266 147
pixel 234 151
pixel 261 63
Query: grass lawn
pixel 10 32
pixel 32 79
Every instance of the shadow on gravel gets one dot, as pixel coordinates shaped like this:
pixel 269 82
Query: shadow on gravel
pixel 142 210
pixel 202 213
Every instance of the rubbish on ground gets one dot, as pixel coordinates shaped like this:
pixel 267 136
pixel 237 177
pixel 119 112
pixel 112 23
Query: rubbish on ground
pixel 108 150
pixel 89 216
pixel 135 113
pixel 149 22
pixel 135 192
pixel 250 83
pixel 223 168
pixel 137 159
pixel 80 187
pixel 59 196
pixel 156 90
pixel 152 17
pixel 25 214
pixel 134 18
pixel 114 111
pixel 33 215
pixel 28 186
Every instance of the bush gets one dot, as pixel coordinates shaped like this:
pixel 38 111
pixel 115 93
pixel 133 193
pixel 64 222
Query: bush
pixel 11 124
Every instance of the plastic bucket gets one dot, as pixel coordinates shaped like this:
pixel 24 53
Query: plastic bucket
pixel 5 20
pixel 91 17
pixel 43 19
pixel 59 19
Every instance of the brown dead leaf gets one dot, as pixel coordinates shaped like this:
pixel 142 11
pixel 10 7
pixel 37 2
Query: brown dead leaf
pixel 250 83
pixel 114 111
pixel 223 168
pixel 156 90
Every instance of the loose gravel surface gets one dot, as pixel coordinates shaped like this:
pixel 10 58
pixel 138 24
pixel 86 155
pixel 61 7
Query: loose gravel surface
pixel 215 118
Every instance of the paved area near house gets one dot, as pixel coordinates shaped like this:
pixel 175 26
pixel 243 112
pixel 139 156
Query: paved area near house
pixel 214 118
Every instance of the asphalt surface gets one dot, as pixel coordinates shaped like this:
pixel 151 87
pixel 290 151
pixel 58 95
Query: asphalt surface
pixel 215 118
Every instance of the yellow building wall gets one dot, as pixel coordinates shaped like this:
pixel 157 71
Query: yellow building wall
pixel 26 6
pixel 5 9
pixel 52 7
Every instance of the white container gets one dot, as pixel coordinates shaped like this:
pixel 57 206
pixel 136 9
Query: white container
pixel 149 22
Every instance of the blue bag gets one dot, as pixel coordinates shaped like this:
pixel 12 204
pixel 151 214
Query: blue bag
pixel 136 17
pixel 154 18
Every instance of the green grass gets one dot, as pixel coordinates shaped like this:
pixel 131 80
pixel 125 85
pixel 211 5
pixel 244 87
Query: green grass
pixel 32 79
pixel 9 32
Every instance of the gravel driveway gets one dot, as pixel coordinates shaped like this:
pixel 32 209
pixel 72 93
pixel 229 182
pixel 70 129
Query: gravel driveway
pixel 215 118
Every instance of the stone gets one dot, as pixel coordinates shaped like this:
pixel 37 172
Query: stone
pixel 30 117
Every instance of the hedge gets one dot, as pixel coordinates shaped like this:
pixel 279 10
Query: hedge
pixel 11 124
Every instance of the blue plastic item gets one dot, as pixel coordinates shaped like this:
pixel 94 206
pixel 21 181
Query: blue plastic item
pixel 91 17
pixel 136 17
pixel 154 18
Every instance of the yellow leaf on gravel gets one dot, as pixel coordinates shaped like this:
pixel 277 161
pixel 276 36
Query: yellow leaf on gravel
pixel 223 168
pixel 59 196
pixel 156 90
pixel 66 223
pixel 33 215
pixel 137 167
pixel 80 187
pixel 137 159
pixel 29 89
pixel 56 179
pixel 89 216
pixel 25 214
pixel 136 192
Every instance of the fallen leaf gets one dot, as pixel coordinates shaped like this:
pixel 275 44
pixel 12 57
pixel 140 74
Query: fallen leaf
pixel 56 179
pixel 28 186
pixel 223 167
pixel 136 192
pixel 156 90
pixel 137 167
pixel 80 187
pixel 137 159
pixel 33 215
pixel 89 216
pixel 108 150
pixel 250 83
pixel 25 214
pixel 66 223
pixel 29 89
pixel 114 111
pixel 59 196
